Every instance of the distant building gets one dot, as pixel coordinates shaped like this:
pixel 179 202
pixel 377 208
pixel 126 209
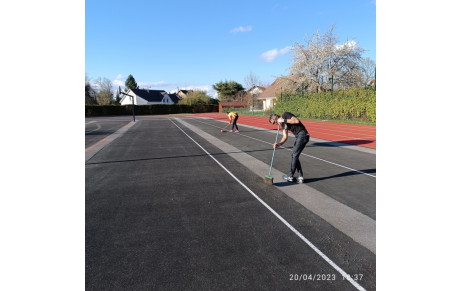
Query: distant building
pixel 183 93
pixel 255 92
pixel 268 97
pixel 147 97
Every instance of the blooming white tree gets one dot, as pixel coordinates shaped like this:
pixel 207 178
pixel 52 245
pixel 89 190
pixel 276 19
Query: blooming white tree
pixel 322 59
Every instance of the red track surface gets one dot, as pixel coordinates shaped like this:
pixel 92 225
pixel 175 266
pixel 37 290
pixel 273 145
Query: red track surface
pixel 360 135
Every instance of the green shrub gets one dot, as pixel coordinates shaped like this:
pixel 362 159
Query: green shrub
pixel 355 104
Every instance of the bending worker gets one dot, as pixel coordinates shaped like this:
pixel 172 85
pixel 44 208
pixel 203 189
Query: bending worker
pixel 289 121
pixel 233 116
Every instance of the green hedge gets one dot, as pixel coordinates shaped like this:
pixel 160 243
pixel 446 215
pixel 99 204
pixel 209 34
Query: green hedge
pixel 101 110
pixel 356 104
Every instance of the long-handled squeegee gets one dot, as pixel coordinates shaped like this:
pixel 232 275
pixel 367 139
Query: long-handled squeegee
pixel 222 130
pixel 269 179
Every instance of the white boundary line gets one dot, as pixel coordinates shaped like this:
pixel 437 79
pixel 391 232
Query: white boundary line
pixel 329 261
pixel 326 161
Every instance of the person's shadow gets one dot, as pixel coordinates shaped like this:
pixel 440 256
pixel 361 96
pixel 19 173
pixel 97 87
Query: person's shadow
pixel 311 180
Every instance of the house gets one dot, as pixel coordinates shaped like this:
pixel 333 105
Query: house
pixel 254 92
pixel 268 96
pixel 174 97
pixel 183 93
pixel 147 97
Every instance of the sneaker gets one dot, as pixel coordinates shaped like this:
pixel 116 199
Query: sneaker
pixel 288 178
pixel 231 130
pixel 300 179
pixel 237 130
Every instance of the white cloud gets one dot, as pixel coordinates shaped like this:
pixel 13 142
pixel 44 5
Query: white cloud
pixel 200 88
pixel 118 83
pixel 271 55
pixel 158 85
pixel 146 85
pixel 208 88
pixel 241 29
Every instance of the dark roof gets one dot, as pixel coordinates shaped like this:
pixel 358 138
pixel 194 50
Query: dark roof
pixel 150 95
pixel 174 97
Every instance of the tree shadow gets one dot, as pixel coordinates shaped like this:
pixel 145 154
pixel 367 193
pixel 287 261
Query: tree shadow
pixel 174 157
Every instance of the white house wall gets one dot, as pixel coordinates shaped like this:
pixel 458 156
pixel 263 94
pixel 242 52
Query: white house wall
pixel 256 91
pixel 268 103
pixel 166 99
pixel 137 100
pixel 126 100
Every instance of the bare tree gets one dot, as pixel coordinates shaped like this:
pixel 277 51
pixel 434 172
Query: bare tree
pixel 320 60
pixel 105 93
pixel 251 80
pixel 90 93
pixel 368 70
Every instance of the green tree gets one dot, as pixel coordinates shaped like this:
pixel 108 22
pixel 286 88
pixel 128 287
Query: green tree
pixel 198 97
pixel 130 83
pixel 117 99
pixel 227 90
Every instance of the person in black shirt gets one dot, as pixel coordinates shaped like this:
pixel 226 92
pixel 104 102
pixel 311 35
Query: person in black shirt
pixel 289 121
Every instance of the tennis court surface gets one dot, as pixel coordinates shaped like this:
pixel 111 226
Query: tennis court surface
pixel 174 204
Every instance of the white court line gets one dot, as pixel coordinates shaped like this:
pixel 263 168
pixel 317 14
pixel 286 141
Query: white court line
pixel 329 261
pixel 313 157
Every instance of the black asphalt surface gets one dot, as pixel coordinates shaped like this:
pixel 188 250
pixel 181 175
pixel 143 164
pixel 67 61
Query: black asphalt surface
pixel 161 214
pixel 97 128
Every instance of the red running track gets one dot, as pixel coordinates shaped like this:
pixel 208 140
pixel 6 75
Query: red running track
pixel 355 134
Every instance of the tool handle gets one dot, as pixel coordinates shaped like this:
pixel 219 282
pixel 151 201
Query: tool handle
pixel 273 155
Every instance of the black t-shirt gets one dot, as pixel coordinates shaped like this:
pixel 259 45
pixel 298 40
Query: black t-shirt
pixel 294 128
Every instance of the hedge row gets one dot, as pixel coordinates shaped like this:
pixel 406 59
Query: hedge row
pixel 160 109
pixel 356 104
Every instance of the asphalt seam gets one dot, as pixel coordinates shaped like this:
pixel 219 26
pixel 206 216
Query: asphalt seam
pixel 352 223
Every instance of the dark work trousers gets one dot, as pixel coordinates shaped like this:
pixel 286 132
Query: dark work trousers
pixel 234 123
pixel 301 141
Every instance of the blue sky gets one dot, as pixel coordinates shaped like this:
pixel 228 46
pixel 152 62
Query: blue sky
pixel 195 44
